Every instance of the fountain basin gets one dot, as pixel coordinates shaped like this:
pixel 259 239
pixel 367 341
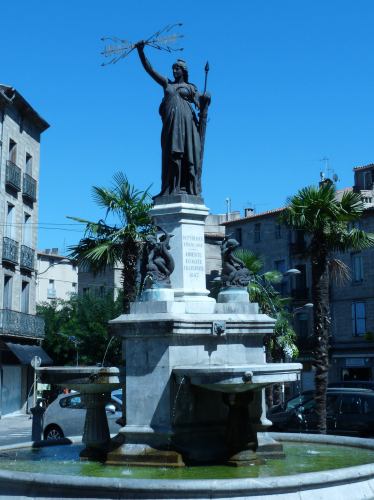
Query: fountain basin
pixel 85 379
pixel 233 379
pixel 348 482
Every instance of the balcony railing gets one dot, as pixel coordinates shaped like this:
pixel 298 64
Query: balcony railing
pixel 10 250
pixel 27 258
pixel 29 187
pixel 13 175
pixel 20 324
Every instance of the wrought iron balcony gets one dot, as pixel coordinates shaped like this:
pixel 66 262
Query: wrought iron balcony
pixel 15 323
pixel 29 187
pixel 10 250
pixel 27 258
pixel 13 175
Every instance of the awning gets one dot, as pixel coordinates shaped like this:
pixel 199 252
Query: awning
pixel 25 353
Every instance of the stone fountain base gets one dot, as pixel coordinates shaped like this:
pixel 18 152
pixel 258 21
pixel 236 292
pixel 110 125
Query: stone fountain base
pixel 194 384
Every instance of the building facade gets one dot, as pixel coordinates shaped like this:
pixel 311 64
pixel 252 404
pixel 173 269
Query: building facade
pixel 21 331
pixel 56 278
pixel 352 302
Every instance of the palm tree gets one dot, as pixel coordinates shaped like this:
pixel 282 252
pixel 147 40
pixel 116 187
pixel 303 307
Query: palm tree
pixel 325 220
pixel 105 245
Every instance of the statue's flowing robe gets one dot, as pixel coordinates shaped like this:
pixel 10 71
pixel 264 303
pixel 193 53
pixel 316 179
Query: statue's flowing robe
pixel 180 137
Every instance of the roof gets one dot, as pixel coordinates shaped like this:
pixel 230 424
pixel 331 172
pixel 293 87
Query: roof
pixel 25 353
pixel 10 95
pixel 255 216
pixel 364 167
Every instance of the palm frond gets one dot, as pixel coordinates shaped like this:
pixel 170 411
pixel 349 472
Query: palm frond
pixel 339 271
pixel 252 262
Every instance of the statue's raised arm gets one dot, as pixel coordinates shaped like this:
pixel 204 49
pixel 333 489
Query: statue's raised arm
pixel 161 80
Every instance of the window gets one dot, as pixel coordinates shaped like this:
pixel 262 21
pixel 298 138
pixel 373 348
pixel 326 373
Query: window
pixel 73 402
pixel 86 291
pixel 302 321
pixel 280 266
pixel 12 154
pixel 368 405
pixel 238 235
pixel 25 296
pixel 257 232
pixel 51 292
pixel 28 164
pixel 358 318
pixel 282 287
pixel 350 404
pixel 26 235
pixel 300 279
pixel 357 267
pixel 9 230
pixel 7 292
pixel 278 231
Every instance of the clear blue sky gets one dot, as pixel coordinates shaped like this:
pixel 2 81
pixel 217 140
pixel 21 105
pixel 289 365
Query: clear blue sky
pixel 291 82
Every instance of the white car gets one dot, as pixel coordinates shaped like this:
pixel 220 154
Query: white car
pixel 66 414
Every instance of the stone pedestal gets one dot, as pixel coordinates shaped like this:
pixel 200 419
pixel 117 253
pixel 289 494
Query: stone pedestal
pixel 96 434
pixel 184 217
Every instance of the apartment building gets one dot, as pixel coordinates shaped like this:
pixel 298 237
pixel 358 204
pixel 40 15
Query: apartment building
pixel 56 278
pixel 352 303
pixel 21 331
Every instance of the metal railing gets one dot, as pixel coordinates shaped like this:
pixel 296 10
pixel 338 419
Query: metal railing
pixel 29 187
pixel 13 175
pixel 27 257
pixel 10 250
pixel 21 324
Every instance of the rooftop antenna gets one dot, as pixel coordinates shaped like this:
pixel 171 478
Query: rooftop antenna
pixel 228 208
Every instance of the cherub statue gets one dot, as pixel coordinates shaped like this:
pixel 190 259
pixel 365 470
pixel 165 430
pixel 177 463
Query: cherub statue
pixel 234 272
pixel 160 263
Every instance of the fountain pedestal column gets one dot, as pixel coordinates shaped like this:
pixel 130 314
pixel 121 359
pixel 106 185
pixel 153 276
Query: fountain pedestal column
pixel 96 435
pixel 184 216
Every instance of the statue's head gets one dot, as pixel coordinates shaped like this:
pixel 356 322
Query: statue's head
pixel 151 240
pixel 232 243
pixel 180 64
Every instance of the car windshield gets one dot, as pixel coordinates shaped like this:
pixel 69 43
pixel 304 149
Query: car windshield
pixel 298 401
pixel 118 395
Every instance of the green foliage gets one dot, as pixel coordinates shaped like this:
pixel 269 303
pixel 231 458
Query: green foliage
pixel 84 318
pixel 261 290
pixel 318 212
pixel 105 245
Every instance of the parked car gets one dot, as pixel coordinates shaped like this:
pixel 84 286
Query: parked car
pixel 350 411
pixel 65 415
pixel 363 384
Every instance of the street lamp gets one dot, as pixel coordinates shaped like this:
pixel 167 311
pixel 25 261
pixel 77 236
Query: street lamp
pixel 292 272
pixel 305 307
pixel 76 343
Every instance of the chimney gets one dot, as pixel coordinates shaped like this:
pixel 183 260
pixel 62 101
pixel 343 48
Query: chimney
pixel 54 251
pixel 47 251
pixel 248 212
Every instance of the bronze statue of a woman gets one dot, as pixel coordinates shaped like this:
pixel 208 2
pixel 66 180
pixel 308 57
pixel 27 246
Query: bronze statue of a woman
pixel 181 129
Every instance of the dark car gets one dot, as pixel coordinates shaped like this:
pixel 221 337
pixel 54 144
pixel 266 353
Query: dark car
pixel 349 412
pixel 363 384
